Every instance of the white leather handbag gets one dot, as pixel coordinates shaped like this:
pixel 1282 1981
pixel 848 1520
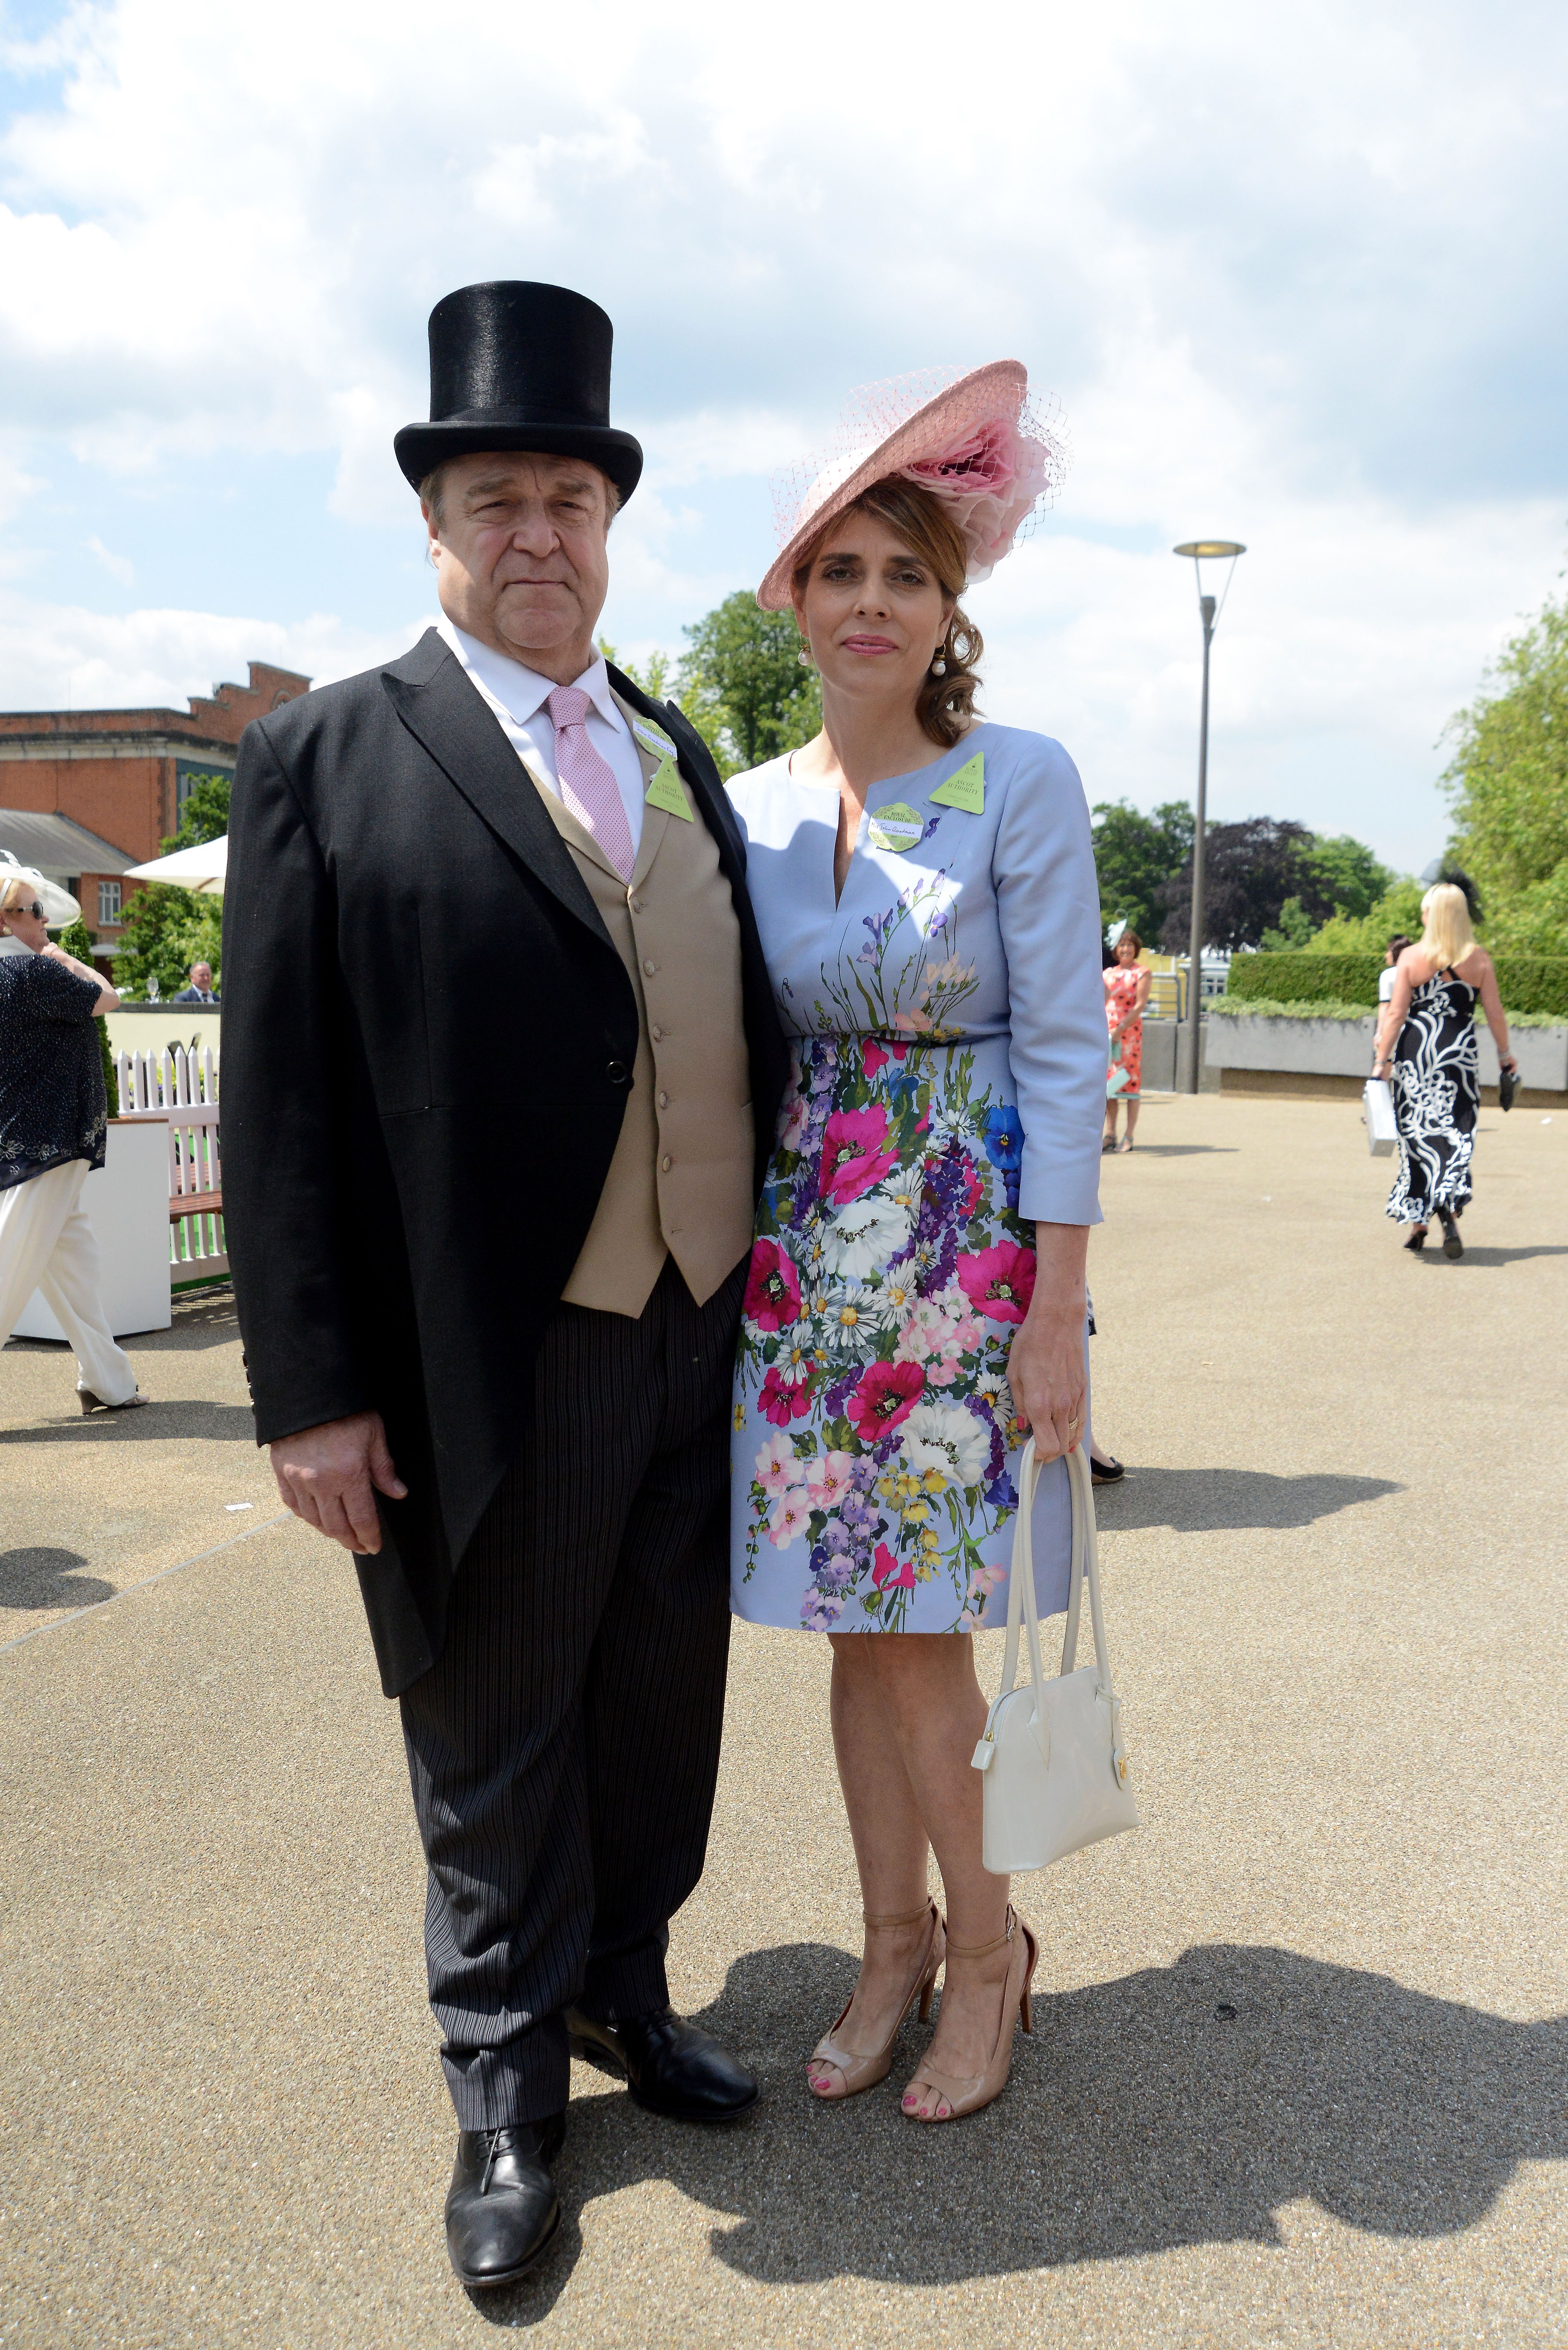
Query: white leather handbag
pixel 1381 1127
pixel 1054 1760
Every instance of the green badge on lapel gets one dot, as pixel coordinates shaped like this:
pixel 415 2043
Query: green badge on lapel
pixel 966 790
pixel 652 738
pixel 896 827
pixel 664 791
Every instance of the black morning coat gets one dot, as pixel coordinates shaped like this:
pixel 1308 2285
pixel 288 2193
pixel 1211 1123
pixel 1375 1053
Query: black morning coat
pixel 427 1047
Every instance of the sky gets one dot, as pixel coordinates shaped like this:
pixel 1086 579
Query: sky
pixel 1292 277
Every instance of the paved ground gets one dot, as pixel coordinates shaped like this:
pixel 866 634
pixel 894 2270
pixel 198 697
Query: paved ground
pixel 1335 1600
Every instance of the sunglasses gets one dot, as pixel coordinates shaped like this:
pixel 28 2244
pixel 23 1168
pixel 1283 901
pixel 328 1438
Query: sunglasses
pixel 34 908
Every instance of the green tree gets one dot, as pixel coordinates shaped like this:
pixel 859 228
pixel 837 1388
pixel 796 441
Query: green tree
pixel 742 686
pixel 1135 856
pixel 1348 873
pixel 77 940
pixel 165 931
pixel 653 679
pixel 1508 782
pixel 1398 910
pixel 205 814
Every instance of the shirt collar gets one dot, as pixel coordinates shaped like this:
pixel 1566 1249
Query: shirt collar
pixel 522 691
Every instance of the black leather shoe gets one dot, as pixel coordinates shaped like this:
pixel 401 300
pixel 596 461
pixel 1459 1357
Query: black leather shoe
pixel 501 2208
pixel 671 2068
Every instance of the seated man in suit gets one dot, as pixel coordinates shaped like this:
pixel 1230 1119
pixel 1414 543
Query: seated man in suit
pixel 200 988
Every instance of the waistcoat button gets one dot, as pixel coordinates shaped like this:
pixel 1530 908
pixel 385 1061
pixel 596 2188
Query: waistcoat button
pixel 667 1162
pixel 664 1101
pixel 648 965
pixel 617 1073
pixel 656 1035
pixel 638 907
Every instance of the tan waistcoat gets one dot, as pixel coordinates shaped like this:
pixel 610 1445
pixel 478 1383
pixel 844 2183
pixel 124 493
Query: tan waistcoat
pixel 680 1180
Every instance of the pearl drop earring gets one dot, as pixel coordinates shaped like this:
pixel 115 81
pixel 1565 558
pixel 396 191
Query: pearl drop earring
pixel 804 656
pixel 939 666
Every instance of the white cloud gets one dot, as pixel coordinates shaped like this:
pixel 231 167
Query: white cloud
pixel 1297 277
pixel 119 566
pixel 55 656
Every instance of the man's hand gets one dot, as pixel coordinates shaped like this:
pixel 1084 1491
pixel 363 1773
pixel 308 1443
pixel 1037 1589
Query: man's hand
pixel 327 1475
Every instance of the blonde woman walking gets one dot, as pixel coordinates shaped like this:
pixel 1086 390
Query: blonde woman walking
pixel 1426 1045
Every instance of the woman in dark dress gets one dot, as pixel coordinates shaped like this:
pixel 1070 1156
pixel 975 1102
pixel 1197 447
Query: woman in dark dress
pixel 1426 1045
pixel 54 1115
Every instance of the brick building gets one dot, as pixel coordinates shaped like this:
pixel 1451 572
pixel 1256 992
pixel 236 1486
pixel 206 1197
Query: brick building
pixel 120 776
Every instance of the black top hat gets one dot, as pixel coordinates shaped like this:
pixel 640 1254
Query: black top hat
pixel 519 366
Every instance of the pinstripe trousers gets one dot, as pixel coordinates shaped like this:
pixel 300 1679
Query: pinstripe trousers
pixel 564 1748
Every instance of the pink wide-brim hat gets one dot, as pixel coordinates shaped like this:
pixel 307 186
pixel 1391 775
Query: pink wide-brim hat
pixel 974 439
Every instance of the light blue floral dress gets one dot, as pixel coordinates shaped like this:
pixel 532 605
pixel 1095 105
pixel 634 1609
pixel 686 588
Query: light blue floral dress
pixel 947 1092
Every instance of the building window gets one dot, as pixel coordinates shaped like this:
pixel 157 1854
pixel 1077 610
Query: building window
pixel 108 901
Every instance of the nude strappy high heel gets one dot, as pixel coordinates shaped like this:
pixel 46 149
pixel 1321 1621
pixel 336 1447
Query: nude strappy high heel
pixel 862 2071
pixel 967 2094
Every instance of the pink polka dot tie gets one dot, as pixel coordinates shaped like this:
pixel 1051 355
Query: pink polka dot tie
pixel 588 788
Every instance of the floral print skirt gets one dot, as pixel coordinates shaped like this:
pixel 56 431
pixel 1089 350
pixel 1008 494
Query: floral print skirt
pixel 875 1445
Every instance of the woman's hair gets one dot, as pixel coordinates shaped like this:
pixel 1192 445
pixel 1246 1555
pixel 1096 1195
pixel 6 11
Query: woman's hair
pixel 1129 939
pixel 15 893
pixel 1446 934
pixel 944 705
pixel 1397 944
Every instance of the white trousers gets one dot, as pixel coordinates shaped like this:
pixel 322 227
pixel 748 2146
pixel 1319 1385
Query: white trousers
pixel 47 1244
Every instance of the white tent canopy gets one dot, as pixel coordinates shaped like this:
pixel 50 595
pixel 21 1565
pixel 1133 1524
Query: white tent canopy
pixel 200 868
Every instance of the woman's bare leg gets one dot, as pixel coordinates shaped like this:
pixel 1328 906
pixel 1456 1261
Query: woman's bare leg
pixel 1132 1115
pixel 908 1713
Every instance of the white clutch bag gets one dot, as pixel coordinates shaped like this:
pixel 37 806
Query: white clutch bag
pixel 1054 1762
pixel 1382 1132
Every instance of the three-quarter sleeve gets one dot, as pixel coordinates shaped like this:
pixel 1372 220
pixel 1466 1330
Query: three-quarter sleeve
pixel 1048 905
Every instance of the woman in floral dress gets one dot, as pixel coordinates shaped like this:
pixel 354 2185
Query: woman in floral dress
pixel 924 884
pixel 1126 985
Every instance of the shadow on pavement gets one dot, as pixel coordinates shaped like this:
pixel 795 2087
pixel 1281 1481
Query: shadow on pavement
pixel 1202 1501
pixel 1143 2116
pixel 206 1320
pixel 156 1422
pixel 1176 1150
pixel 1428 1255
pixel 49 1578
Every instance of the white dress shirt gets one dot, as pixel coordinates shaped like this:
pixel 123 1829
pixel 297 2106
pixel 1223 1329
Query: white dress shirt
pixel 518 695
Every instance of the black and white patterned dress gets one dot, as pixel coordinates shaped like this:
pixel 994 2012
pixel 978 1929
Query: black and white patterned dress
pixel 1437 1097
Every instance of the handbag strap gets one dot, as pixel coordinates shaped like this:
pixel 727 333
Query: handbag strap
pixel 1085 1570
pixel 1021 1584
pixel 1022 1607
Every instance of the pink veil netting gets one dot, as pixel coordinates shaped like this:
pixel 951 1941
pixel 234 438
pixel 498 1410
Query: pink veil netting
pixel 988 451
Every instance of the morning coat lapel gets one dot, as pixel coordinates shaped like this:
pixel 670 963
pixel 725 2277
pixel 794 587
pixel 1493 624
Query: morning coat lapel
pixel 449 719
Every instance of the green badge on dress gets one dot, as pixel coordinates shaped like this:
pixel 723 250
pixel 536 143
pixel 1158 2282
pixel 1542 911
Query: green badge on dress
pixel 965 790
pixel 664 791
pixel 896 827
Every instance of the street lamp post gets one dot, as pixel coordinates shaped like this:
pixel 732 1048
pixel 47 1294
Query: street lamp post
pixel 1202 550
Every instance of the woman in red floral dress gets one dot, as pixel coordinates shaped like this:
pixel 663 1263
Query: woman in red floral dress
pixel 1127 996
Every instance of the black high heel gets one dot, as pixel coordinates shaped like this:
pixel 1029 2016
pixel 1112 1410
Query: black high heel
pixel 1452 1245
pixel 1417 1240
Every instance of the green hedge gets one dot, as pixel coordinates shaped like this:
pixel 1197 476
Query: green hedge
pixel 1265 1007
pixel 1526 983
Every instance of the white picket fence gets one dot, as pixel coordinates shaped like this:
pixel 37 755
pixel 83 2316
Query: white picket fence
pixel 181 1085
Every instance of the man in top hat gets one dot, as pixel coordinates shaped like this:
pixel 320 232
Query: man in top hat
pixel 501 1073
